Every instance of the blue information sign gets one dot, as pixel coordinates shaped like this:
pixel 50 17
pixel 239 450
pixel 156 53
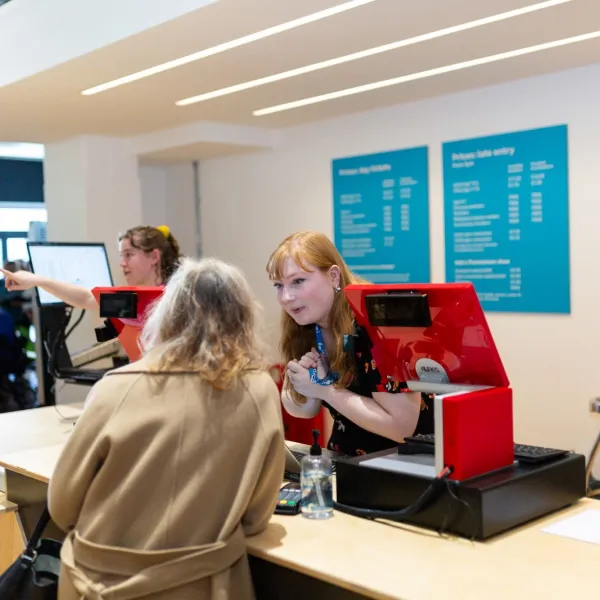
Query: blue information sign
pixel 507 219
pixel 381 215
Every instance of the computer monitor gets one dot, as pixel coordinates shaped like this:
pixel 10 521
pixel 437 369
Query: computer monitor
pixel 77 263
pixel 433 336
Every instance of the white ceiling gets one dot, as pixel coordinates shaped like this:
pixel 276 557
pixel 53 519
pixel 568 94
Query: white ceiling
pixel 49 106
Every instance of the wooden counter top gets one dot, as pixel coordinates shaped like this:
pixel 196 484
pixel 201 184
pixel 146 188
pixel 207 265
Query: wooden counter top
pixel 37 463
pixel 379 560
pixel 36 427
pixel 394 561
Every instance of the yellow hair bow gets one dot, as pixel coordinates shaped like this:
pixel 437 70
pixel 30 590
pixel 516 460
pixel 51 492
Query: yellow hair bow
pixel 164 230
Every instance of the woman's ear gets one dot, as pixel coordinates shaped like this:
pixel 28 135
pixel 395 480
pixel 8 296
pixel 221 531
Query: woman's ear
pixel 335 275
pixel 155 256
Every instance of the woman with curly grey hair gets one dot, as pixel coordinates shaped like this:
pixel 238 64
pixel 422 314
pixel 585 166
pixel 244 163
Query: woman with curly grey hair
pixel 177 457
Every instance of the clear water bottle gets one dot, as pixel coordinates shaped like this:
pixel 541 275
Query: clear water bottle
pixel 316 483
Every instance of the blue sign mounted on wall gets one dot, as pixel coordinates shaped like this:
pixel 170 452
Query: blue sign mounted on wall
pixel 381 215
pixel 507 219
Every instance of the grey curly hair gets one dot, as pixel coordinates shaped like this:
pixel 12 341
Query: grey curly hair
pixel 206 321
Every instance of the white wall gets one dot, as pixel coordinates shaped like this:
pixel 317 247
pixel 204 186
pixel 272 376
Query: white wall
pixel 95 190
pixel 92 193
pixel 250 202
pixel 153 182
pixel 168 198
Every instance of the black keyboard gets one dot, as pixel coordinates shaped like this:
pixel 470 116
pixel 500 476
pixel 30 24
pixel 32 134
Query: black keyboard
pixel 299 455
pixel 535 454
pixel 523 452
pixel 72 372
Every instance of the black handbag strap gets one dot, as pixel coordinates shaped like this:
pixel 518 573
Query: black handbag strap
pixel 37 534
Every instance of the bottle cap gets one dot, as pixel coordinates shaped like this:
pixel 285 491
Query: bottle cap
pixel 315 449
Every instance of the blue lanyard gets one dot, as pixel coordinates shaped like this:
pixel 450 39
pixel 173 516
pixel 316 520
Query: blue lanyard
pixel 330 377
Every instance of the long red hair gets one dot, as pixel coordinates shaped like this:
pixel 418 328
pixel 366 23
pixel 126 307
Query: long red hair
pixel 313 249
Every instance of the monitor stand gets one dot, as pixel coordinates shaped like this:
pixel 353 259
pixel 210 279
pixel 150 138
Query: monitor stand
pixel 49 323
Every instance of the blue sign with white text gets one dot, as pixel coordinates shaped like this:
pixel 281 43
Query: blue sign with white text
pixel 506 205
pixel 381 215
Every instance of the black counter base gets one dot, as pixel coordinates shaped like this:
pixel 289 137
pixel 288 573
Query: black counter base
pixel 476 508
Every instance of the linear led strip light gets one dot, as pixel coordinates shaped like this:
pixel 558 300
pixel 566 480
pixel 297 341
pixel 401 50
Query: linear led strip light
pixel 247 39
pixel 370 52
pixel 424 74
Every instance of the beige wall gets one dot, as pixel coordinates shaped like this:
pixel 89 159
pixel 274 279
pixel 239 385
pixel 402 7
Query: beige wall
pixel 250 202
pixel 168 198
pixel 95 190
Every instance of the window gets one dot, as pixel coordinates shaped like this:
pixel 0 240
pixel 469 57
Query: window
pixel 14 229
pixel 16 249
pixel 17 218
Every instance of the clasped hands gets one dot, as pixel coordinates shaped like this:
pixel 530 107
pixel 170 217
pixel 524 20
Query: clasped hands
pixel 299 377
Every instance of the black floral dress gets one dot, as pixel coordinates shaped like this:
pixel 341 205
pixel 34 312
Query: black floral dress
pixel 350 439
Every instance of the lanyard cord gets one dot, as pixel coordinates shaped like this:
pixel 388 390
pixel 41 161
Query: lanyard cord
pixel 329 377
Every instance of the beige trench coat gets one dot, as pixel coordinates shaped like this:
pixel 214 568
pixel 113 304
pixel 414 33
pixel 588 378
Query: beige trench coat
pixel 160 483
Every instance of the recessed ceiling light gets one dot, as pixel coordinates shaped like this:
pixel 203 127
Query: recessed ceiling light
pixel 370 52
pixel 424 74
pixel 247 39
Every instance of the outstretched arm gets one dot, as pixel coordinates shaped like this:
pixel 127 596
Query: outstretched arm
pixel 75 295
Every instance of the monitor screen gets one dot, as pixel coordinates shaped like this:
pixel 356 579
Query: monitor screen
pixel 428 333
pixel 79 264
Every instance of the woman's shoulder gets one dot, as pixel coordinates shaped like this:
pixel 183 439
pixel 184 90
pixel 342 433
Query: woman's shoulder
pixel 259 382
pixel 133 368
pixel 262 389
pixel 360 338
pixel 108 392
pixel 149 364
pixel 361 350
pixel 116 383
